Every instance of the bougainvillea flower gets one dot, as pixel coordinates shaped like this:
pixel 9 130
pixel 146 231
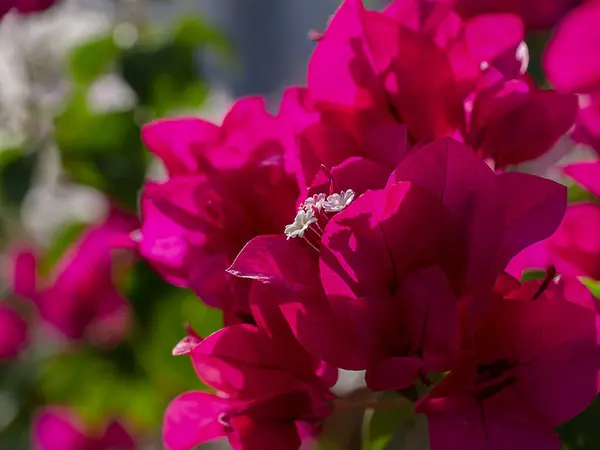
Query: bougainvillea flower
pixel 58 428
pixel 262 400
pixel 514 121
pixel 409 81
pixel 532 364
pixel 494 221
pixel 13 332
pixel 572 58
pixel 329 136
pixel 227 184
pixel 80 298
pixel 442 230
pixel 421 78
pixel 536 14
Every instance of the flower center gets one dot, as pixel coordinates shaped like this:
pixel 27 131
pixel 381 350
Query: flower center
pixel 314 213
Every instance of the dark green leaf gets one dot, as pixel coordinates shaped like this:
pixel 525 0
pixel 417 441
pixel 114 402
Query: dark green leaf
pixel 63 239
pixel 102 150
pixel 581 433
pixel 192 32
pixel 529 275
pixel 92 59
pixel 536 42
pixel 16 174
pixel 164 76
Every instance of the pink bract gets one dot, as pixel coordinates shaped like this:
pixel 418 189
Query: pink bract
pixel 261 398
pixel 511 388
pixel 58 428
pixel 80 298
pixel 13 332
pixel 227 184
pixel 441 231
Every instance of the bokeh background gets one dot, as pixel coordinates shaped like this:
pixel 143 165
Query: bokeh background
pixel 76 84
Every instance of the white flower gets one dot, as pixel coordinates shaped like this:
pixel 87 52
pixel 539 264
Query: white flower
pixel 316 201
pixel 302 221
pixel 337 202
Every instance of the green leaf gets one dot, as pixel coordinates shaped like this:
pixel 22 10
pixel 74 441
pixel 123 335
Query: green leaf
pixel 529 275
pixel 63 239
pixel 581 433
pixel 536 42
pixel 16 174
pixel 592 285
pixel 92 59
pixel 102 150
pixel 164 76
pixel 577 194
pixel 192 32
pixel 381 425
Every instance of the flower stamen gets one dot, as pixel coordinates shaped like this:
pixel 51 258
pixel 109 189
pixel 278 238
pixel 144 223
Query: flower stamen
pixel 315 212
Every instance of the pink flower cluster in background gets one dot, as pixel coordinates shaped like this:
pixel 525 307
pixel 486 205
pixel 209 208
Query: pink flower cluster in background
pixel 79 300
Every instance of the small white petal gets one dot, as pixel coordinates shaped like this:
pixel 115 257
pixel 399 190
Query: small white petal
pixel 337 202
pixel 302 221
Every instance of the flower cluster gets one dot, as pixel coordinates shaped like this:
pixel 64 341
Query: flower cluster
pixel 374 223
pixel 79 300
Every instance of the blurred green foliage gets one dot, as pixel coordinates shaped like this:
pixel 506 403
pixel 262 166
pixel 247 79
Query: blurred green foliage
pixel 100 147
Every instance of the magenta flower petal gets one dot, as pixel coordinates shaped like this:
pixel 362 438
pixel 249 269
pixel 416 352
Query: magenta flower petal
pixel 510 376
pixel 516 121
pixel 178 142
pixel 529 218
pixel 344 46
pixel 192 419
pixel 275 259
pixel 238 361
pixel 32 6
pixel 474 204
pixel 290 269
pixel 394 373
pixel 419 79
pixel 577 70
pixel 253 434
pixel 574 249
pixel 536 14
pixel 111 321
pixel 117 436
pixel 265 302
pixel 82 300
pixel 587 175
pixel 356 173
pixel 372 300
pixel 57 428
pixel 494 39
pixel 13 333
pixel 473 431
pixel 587 128
pixel 22 272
